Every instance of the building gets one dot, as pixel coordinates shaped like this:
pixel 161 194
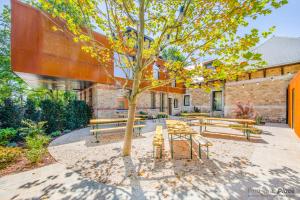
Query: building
pixel 51 59
pixel 266 89
pixel 43 57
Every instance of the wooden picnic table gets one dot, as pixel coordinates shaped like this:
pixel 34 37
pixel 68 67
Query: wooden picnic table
pixel 208 121
pixel 194 114
pixel 112 120
pixel 180 130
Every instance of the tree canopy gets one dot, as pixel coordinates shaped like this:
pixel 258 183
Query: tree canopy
pixel 142 29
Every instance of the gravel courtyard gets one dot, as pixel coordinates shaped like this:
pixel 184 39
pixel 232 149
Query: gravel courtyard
pixel 237 168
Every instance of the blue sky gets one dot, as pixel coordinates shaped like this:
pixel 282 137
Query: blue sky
pixel 286 19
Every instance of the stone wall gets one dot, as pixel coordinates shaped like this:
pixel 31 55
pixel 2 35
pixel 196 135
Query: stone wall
pixel 267 95
pixel 105 101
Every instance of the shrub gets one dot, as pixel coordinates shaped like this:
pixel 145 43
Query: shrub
pixel 244 111
pixel 32 129
pixel 196 109
pixel 35 140
pixel 55 134
pixel 6 135
pixel 259 120
pixel 31 112
pixel 8 155
pixel 162 115
pixel 53 113
pixel 10 115
pixel 77 114
pixel 36 147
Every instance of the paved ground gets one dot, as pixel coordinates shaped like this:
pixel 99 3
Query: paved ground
pixel 238 169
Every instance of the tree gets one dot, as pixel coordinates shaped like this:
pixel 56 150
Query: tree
pixel 10 114
pixel 31 113
pixel 197 28
pixel 11 86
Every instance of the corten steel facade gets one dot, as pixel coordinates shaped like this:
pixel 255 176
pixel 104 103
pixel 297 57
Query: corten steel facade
pixel 294 104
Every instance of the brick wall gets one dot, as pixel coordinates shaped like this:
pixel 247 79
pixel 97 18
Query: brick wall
pixel 268 96
pixel 106 99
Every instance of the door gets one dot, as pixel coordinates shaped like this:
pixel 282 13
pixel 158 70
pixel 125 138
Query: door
pixel 170 106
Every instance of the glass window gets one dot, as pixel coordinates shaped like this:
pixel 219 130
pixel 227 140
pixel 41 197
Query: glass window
pixel 162 102
pixel 153 106
pixel 186 100
pixel 175 103
pixel 121 105
pixel 155 71
pixel 173 84
pixel 217 100
pixel 120 68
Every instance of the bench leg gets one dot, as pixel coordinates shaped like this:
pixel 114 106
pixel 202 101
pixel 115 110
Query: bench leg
pixel 97 141
pixel 160 151
pixel 207 152
pixel 172 150
pixel 200 156
pixel 191 141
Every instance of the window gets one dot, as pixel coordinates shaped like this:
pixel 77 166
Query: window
pixel 173 84
pixel 162 102
pixel 90 96
pixel 210 66
pixel 155 71
pixel 121 64
pixel 153 100
pixel 217 100
pixel 186 100
pixel 175 103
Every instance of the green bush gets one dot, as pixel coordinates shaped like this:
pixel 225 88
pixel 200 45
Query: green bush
pixel 77 114
pixel 10 114
pixel 53 113
pixel 32 129
pixel 36 147
pixel 55 134
pixel 31 111
pixel 162 115
pixel 8 155
pixel 35 140
pixel 6 135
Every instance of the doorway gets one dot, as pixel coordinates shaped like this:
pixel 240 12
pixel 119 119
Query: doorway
pixel 170 106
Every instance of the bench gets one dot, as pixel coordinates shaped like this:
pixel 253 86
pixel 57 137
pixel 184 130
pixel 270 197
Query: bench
pixel 202 142
pixel 98 130
pixel 158 141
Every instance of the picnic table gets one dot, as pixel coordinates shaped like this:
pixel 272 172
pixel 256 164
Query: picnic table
pixel 246 124
pixel 179 130
pixel 97 125
pixel 194 114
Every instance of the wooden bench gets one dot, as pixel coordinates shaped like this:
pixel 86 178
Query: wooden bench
pixel 158 141
pixel 202 142
pixel 96 123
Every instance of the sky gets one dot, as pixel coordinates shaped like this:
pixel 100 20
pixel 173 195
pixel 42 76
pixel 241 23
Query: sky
pixel 286 19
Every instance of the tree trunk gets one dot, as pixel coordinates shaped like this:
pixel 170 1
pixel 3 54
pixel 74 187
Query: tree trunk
pixel 129 128
pixel 136 82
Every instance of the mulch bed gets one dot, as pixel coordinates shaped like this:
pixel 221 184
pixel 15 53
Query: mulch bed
pixel 22 164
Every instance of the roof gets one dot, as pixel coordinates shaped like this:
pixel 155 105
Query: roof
pixel 279 51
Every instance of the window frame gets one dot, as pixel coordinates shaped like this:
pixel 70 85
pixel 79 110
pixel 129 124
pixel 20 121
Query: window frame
pixel 184 100
pixel 153 100
pixel 213 100
pixel 175 103
pixel 155 73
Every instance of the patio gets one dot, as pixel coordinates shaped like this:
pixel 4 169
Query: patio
pixel 237 168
